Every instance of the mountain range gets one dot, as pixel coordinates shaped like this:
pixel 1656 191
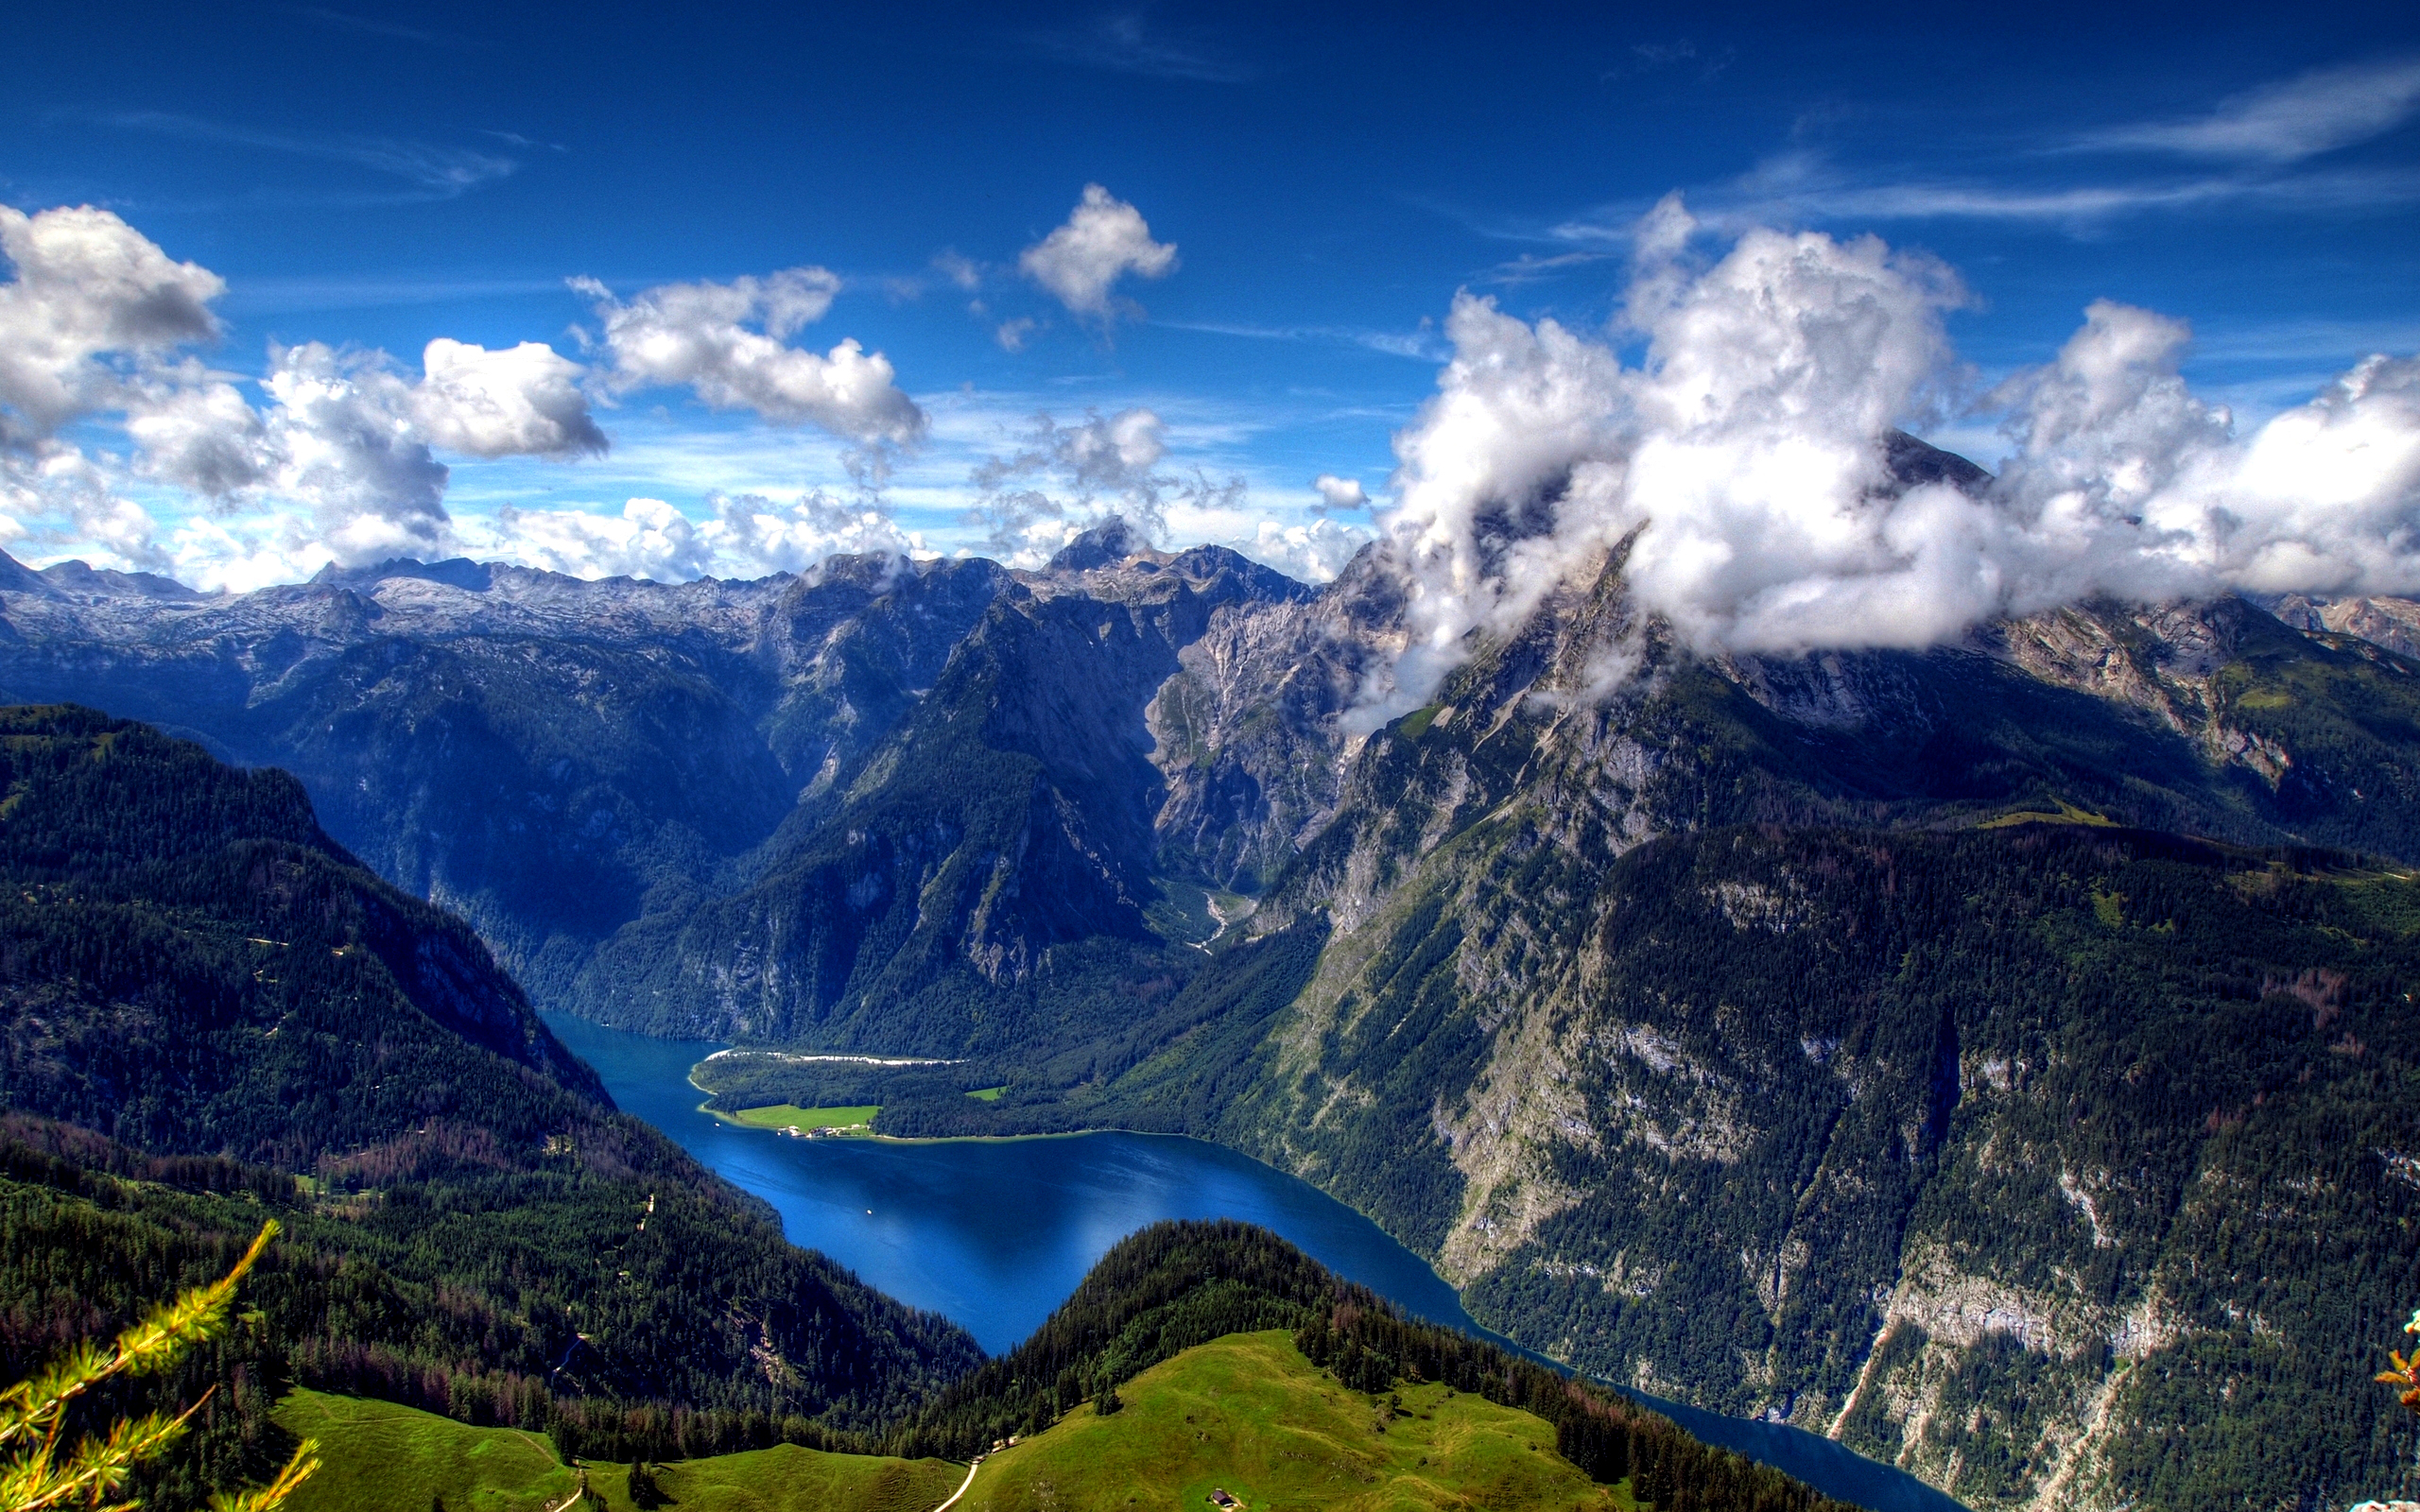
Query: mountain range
pixel 1997 1056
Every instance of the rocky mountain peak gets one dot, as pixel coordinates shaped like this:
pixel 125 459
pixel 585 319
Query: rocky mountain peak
pixel 1106 544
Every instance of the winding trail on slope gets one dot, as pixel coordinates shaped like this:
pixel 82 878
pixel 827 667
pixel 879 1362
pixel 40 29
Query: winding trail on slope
pixel 976 1464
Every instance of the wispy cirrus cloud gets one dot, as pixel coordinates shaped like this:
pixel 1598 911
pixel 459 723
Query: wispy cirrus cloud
pixel 1420 346
pixel 1811 188
pixel 443 172
pixel 2251 153
pixel 2285 121
pixel 1127 41
pixel 369 26
pixel 1531 267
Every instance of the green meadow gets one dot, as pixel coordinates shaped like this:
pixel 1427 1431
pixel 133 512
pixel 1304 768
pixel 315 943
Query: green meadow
pixel 1246 1414
pixel 377 1456
pixel 787 1115
pixel 1249 1416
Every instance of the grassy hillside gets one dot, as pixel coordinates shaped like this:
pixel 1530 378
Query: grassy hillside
pixel 381 1458
pixel 1174 1287
pixel 1248 1414
pixel 377 1454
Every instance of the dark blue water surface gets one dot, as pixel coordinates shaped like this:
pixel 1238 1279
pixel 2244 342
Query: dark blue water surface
pixel 996 1233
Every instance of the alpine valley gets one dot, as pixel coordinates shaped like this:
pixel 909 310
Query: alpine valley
pixel 2000 1057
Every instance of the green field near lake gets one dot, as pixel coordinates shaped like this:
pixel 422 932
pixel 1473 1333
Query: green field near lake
pixel 788 1115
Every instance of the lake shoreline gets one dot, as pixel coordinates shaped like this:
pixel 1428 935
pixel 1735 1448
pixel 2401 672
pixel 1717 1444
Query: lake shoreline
pixel 996 1231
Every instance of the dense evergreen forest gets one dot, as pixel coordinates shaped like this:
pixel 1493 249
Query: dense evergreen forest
pixel 242 1021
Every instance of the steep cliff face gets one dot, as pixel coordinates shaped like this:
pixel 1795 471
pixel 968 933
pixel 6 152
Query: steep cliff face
pixel 1247 733
pixel 2001 1155
pixel 1813 1037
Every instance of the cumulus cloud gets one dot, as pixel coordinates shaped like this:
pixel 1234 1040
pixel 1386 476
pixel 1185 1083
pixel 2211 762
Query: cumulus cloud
pixel 1314 553
pixel 1339 493
pixel 1742 464
pixel 94 324
pixel 343 443
pixel 1053 485
pixel 87 287
pixel 521 401
pixel 1104 239
pixel 2287 121
pixel 196 430
pixel 729 344
pixel 1059 480
pixel 747 536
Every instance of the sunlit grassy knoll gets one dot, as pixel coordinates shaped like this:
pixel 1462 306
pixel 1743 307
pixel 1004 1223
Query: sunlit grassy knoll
pixel 1247 1414
pixel 786 1478
pixel 785 1115
pixel 375 1456
pixel 380 1457
pixel 987 1095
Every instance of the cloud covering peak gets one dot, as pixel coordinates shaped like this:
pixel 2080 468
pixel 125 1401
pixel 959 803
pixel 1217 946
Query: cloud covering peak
pixel 1744 462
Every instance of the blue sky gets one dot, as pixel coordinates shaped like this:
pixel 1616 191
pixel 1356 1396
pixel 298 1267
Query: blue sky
pixel 373 178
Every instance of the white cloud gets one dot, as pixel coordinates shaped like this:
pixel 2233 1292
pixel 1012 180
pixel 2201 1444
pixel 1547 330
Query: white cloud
pixel 1104 239
pixel 344 442
pixel 1012 334
pixel 1102 465
pixel 1742 463
pixel 88 286
pixel 1314 553
pixel 521 401
pixel 1339 493
pixel 752 535
pixel 964 271
pixel 196 430
pixel 2287 121
pixel 648 539
pixel 728 342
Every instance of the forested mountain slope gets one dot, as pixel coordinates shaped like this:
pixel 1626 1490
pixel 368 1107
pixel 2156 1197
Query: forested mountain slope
pixel 202 1000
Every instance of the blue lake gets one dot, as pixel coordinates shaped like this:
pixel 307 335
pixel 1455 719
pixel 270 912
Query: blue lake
pixel 996 1233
